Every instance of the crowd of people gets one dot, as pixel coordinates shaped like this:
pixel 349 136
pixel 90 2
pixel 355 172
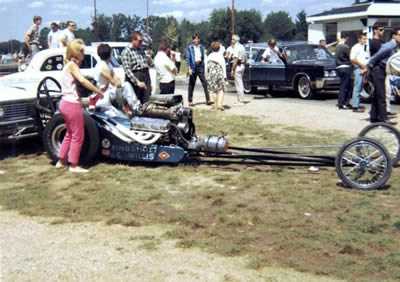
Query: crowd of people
pixel 367 61
pixel 56 38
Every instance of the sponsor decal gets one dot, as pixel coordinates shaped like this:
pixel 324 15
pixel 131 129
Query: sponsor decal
pixel 164 156
pixel 106 153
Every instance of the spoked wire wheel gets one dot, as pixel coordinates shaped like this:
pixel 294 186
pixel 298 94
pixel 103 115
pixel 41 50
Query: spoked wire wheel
pixel 364 164
pixel 387 135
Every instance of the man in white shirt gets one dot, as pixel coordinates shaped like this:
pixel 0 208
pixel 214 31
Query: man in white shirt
pixel 53 38
pixel 166 69
pixel 272 55
pixel 195 58
pixel 68 33
pixel 238 66
pixel 359 56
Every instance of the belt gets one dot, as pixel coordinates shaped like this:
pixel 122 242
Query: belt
pixel 141 70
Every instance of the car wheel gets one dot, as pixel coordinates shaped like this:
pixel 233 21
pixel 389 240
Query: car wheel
pixel 304 88
pixel 54 133
pixel 248 88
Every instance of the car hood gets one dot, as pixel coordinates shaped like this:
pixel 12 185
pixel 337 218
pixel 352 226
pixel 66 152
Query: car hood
pixel 10 94
pixel 328 64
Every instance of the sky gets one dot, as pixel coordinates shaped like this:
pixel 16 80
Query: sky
pixel 16 15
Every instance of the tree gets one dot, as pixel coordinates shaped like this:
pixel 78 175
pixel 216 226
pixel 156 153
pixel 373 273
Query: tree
pixel 301 26
pixel 102 28
pixel 279 25
pixel 220 22
pixel 249 25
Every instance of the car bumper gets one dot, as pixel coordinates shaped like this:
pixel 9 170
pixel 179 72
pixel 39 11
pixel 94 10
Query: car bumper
pixel 19 129
pixel 327 84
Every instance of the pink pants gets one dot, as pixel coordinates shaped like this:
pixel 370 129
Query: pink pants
pixel 72 144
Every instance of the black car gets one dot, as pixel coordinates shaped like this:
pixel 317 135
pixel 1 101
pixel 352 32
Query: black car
pixel 307 69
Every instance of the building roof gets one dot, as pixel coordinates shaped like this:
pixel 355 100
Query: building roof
pixel 344 10
pixel 360 8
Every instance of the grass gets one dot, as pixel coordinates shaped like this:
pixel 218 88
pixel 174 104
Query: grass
pixel 277 216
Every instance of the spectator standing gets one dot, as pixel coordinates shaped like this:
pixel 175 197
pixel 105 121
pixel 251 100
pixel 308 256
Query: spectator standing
pixel 31 38
pixel 238 65
pixel 54 36
pixel 195 58
pixel 272 54
pixel 71 107
pixel 166 69
pixel 177 57
pixel 377 67
pixel 377 39
pixel 359 56
pixel 68 33
pixel 344 70
pixel 136 67
pixel 216 75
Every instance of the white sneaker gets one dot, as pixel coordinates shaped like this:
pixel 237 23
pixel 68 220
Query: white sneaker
pixel 59 165
pixel 77 169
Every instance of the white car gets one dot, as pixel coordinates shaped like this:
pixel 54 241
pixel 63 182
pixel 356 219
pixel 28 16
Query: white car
pixel 18 115
pixel 50 62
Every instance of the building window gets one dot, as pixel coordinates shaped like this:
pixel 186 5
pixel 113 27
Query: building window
pixel 331 30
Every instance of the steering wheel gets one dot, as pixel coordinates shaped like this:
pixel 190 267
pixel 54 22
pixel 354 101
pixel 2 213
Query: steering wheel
pixel 48 91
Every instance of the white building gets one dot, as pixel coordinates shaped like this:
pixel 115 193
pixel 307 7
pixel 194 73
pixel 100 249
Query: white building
pixel 359 17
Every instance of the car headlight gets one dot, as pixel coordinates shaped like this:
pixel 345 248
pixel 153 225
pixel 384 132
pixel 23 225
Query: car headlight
pixel 331 73
pixel 2 112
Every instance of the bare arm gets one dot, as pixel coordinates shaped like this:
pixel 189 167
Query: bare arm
pixel 115 81
pixel 76 73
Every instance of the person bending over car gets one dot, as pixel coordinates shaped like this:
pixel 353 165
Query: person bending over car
pixel 71 107
pixel 111 85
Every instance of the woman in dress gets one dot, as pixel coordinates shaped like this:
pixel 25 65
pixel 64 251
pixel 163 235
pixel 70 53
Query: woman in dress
pixel 216 75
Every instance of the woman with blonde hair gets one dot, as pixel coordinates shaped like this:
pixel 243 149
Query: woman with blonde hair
pixel 71 107
pixel 216 75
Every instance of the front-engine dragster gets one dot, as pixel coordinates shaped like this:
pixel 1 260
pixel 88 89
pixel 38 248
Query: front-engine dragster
pixel 163 131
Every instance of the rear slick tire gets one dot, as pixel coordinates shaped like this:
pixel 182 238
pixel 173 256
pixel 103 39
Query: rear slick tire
pixel 54 133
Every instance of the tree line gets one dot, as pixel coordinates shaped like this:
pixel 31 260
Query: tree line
pixel 249 24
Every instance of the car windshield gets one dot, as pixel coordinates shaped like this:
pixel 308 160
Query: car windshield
pixel 116 56
pixel 307 53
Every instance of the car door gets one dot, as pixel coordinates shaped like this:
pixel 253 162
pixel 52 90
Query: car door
pixel 264 74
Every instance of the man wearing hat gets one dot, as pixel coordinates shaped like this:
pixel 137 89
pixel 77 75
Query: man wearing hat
pixel 53 39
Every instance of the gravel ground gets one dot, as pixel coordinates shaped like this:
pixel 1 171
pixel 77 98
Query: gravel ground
pixel 286 109
pixel 32 249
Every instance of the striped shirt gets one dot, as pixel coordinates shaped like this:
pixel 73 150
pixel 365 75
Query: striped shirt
pixel 133 60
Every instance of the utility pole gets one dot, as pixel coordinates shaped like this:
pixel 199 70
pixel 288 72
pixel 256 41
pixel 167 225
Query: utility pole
pixel 147 16
pixel 95 19
pixel 233 17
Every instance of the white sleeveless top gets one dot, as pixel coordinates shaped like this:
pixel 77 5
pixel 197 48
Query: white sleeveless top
pixel 102 83
pixel 68 86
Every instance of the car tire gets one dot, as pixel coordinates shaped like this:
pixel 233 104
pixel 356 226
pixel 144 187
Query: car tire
pixel 248 88
pixel 304 88
pixel 54 133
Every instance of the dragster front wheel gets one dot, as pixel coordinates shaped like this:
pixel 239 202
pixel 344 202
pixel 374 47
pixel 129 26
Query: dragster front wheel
pixel 386 135
pixel 364 164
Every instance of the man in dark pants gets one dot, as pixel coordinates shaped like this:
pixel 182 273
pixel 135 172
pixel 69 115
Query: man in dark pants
pixel 195 58
pixel 377 67
pixel 136 67
pixel 344 71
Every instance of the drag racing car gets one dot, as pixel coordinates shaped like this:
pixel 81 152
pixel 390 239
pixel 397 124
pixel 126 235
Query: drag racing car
pixel 163 131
